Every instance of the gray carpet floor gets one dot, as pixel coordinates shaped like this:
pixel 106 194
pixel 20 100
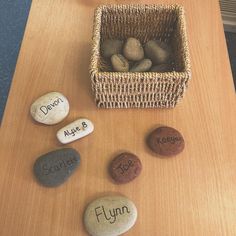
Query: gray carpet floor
pixel 231 44
pixel 13 18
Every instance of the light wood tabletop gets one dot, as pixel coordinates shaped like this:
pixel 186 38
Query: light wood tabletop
pixel 193 193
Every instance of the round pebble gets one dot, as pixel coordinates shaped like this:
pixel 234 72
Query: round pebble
pixel 159 52
pixel 162 68
pixel 119 63
pixel 166 141
pixel 133 50
pixel 141 66
pixel 50 108
pixel 111 46
pixel 125 167
pixel 110 216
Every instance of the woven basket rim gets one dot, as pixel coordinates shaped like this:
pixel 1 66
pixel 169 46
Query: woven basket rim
pixel 139 6
pixel 170 73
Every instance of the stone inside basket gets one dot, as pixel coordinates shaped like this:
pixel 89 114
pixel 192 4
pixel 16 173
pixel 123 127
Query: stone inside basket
pixel 144 89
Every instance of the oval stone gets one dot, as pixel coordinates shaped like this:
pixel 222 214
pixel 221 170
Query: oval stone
pixel 111 46
pixel 110 216
pixel 75 130
pixel 119 63
pixel 141 66
pixel 159 52
pixel 54 168
pixel 125 167
pixel 166 141
pixel 133 50
pixel 50 108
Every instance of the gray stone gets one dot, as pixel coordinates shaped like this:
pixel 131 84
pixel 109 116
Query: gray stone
pixel 162 68
pixel 110 47
pixel 141 66
pixel 133 50
pixel 119 63
pixel 110 216
pixel 159 52
pixel 54 168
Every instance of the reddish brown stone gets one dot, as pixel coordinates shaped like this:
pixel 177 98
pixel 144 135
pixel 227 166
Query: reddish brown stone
pixel 166 141
pixel 125 167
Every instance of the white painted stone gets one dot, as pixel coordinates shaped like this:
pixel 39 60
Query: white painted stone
pixel 50 108
pixel 110 216
pixel 75 130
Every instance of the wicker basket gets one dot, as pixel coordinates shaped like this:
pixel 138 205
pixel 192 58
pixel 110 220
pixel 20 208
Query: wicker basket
pixel 140 89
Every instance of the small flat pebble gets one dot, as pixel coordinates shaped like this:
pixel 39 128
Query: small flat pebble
pixel 75 130
pixel 125 167
pixel 111 46
pixel 159 52
pixel 162 68
pixel 110 216
pixel 166 141
pixel 54 168
pixel 119 63
pixel 133 49
pixel 141 66
pixel 50 108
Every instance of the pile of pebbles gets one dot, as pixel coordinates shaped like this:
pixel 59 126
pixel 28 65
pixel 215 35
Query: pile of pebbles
pixel 131 56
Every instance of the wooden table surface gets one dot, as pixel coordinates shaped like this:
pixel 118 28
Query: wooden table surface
pixel 192 194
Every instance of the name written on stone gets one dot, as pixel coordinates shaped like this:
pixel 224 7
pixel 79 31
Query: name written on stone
pixel 110 215
pixel 74 130
pixel 55 167
pixel 169 139
pixel 124 167
pixel 166 141
pixel 62 164
pixel 45 109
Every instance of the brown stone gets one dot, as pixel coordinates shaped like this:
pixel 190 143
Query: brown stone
pixel 166 141
pixel 125 167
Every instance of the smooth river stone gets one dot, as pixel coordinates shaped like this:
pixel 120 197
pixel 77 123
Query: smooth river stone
pixel 119 63
pixel 159 52
pixel 110 216
pixel 50 108
pixel 75 130
pixel 125 167
pixel 166 141
pixel 133 50
pixel 54 168
pixel 141 66
pixel 111 46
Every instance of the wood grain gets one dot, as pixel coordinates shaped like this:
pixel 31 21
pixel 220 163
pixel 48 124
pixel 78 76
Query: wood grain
pixel 191 194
